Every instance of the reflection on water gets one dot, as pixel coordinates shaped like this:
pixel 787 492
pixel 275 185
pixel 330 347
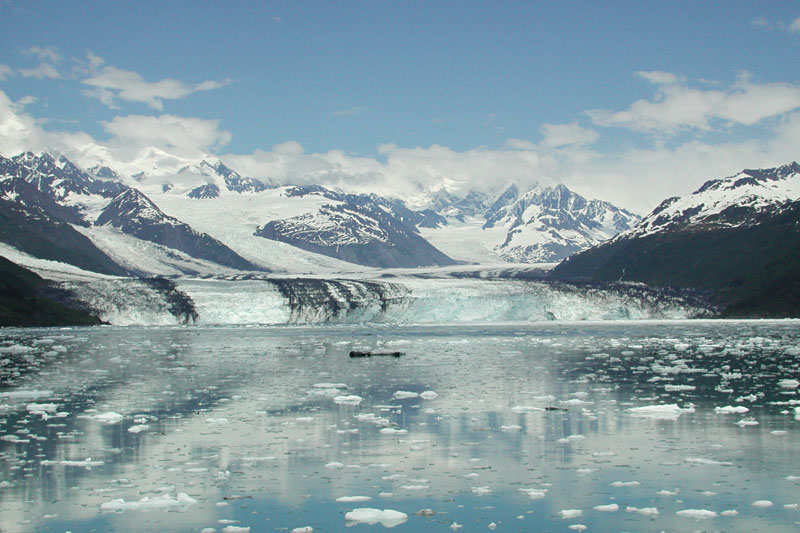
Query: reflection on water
pixel 518 428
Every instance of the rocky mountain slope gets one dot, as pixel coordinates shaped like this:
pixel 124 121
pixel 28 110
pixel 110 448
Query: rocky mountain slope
pixel 738 237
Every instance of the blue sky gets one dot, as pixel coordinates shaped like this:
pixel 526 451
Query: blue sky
pixel 592 94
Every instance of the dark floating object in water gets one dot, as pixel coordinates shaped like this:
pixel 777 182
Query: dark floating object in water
pixel 551 408
pixel 356 353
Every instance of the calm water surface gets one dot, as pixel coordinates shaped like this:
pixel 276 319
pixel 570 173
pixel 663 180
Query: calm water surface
pixel 517 428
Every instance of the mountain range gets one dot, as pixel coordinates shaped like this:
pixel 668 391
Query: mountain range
pixel 207 218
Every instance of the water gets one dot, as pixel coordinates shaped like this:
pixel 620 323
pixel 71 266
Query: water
pixel 521 428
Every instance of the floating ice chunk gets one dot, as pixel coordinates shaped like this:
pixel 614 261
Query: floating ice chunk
pixel 610 508
pixel 415 487
pixel 330 386
pixel 702 461
pixel 41 408
pixel 577 527
pixel 306 529
pixel 793 506
pixel 235 529
pixel 789 383
pixel 86 463
pixel 576 401
pixel 584 471
pixel 351 399
pixel 353 499
pixel 697 514
pixel 393 431
pixel 792 478
pixel 402 394
pixel 762 503
pixel 729 512
pixel 107 418
pixel 657 412
pixel 386 517
pixel 568 514
pixel 797 413
pixel 481 491
pixel 510 427
pixel 677 388
pixel 27 394
pixel 534 494
pixel 138 428
pixel 747 422
pixel 625 484
pixel 731 409
pixel 372 419
pixel 163 501
pixel 646 511
pixel 428 395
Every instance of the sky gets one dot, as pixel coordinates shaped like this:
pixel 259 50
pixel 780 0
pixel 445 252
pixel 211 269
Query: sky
pixel 629 102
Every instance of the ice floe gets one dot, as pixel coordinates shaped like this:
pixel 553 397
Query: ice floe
pixel 385 517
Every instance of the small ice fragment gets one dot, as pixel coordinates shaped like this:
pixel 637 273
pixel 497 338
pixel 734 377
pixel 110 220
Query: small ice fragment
pixel 428 395
pixel 610 508
pixel 351 399
pixel 646 511
pixel 789 383
pixel 425 512
pixel 510 427
pixel 235 529
pixel 762 503
pixel 138 428
pixel 386 517
pixel 793 506
pixel 306 529
pixel 665 492
pixel 330 386
pixel 657 412
pixel 731 409
pixel 393 431
pixel 534 494
pixel 625 484
pixel 729 512
pixel 108 418
pixel 402 394
pixel 163 501
pixel 481 491
pixel 353 499
pixel 492 526
pixel 676 388
pixel 702 461
pixel 568 514
pixel 697 514
pixel 747 422
pixel 577 527
pixel 455 526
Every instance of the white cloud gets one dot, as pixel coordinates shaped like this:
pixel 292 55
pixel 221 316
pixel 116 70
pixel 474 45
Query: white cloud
pixel 794 27
pixel 47 53
pixel 47 56
pixel 677 107
pixel 111 83
pixel 167 132
pixel 5 72
pixel 657 76
pixel 566 134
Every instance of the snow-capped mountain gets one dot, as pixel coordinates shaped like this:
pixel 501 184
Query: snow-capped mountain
pixel 736 237
pixel 363 229
pixel 737 200
pixel 536 225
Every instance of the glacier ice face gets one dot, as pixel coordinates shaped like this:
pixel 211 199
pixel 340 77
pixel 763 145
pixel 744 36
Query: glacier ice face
pixel 400 301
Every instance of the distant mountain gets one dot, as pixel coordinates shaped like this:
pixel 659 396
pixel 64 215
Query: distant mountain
pixel 43 199
pixel 363 229
pixel 534 225
pixel 134 214
pixel 736 236
pixel 218 176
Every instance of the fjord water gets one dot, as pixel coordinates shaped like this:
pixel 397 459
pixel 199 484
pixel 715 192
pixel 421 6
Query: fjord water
pixel 612 426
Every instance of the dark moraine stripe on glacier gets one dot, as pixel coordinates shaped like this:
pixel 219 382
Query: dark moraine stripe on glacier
pixel 321 300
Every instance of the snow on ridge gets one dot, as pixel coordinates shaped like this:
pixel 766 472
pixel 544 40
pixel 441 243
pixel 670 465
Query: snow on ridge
pixel 755 191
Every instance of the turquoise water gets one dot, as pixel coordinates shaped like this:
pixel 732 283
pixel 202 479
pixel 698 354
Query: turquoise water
pixel 516 428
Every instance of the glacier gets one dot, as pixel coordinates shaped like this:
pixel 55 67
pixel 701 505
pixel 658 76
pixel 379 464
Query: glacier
pixel 271 300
